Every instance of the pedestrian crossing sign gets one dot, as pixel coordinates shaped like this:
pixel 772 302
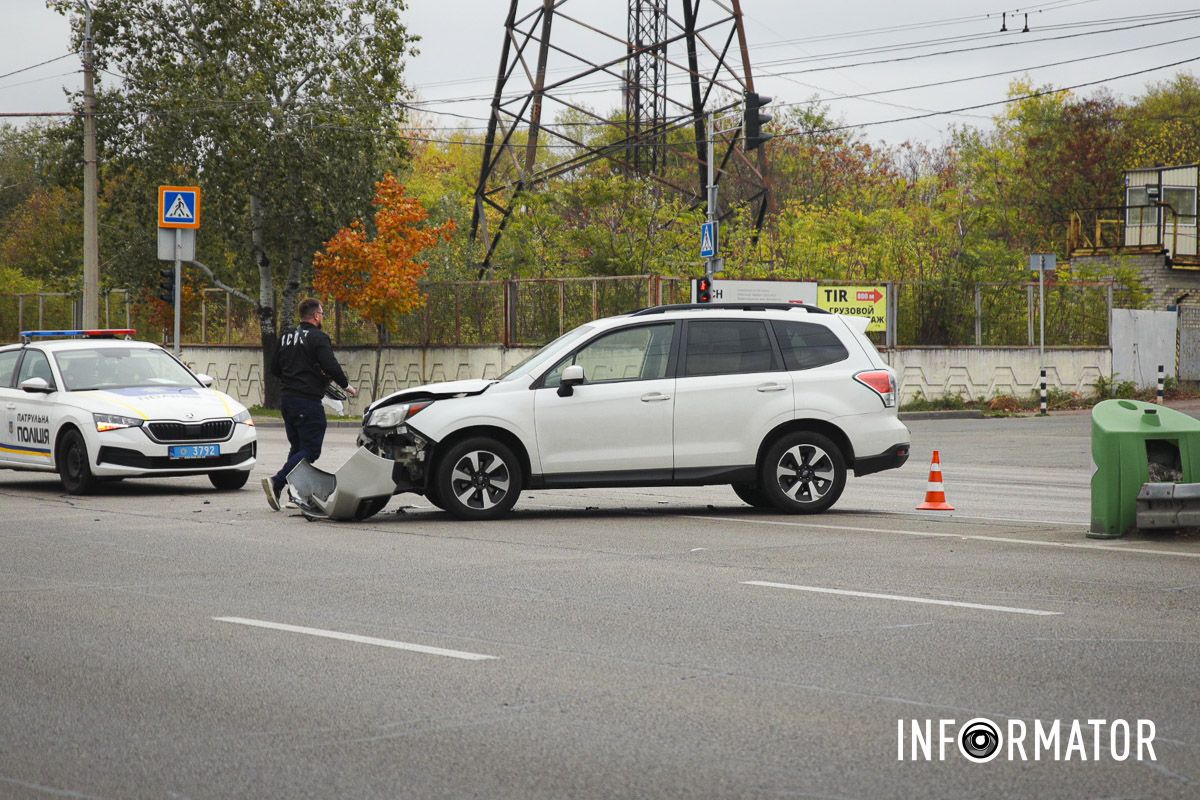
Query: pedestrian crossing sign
pixel 708 240
pixel 179 206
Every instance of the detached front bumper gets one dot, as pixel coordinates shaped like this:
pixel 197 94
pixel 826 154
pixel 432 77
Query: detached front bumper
pixel 387 462
pixel 359 489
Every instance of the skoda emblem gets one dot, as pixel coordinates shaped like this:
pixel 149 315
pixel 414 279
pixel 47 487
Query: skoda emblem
pixel 189 415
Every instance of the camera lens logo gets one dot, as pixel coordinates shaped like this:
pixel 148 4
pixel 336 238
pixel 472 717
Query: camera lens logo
pixel 979 740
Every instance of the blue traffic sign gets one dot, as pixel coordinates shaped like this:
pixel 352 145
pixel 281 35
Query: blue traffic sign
pixel 179 206
pixel 708 240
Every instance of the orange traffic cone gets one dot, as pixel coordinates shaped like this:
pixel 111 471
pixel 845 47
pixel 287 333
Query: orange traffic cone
pixel 935 495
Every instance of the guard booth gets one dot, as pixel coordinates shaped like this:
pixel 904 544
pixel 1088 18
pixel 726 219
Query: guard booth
pixel 1158 217
pixel 1160 209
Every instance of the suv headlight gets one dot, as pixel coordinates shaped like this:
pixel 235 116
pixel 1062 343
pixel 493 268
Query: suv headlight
pixel 244 418
pixel 394 416
pixel 112 422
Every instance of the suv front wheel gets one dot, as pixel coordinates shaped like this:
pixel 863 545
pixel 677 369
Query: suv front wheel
pixel 478 478
pixel 752 495
pixel 803 473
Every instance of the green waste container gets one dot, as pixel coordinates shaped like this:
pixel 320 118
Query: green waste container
pixel 1135 443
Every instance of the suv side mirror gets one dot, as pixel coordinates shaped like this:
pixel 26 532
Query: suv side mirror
pixel 207 380
pixel 36 386
pixel 572 376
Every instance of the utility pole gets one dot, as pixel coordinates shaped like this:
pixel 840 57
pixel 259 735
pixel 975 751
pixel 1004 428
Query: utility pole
pixel 91 241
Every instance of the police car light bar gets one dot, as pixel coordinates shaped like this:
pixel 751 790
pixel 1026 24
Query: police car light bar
pixel 99 333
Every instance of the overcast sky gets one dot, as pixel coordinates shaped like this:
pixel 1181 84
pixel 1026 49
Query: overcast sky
pixel 461 40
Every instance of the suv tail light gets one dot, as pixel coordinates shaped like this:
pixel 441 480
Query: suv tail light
pixel 880 381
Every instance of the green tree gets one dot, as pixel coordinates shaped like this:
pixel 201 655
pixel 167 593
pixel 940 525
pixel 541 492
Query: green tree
pixel 285 113
pixel 1162 123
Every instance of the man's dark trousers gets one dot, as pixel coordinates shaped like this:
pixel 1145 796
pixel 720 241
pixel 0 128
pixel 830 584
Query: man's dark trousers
pixel 304 421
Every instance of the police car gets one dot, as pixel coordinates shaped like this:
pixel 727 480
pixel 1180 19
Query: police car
pixel 93 405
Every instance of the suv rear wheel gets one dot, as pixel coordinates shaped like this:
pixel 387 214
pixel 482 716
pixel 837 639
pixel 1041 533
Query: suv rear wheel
pixel 803 473
pixel 478 478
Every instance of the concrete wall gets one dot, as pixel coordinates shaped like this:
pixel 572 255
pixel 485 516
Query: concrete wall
pixel 238 370
pixel 970 372
pixel 1141 341
pixel 981 373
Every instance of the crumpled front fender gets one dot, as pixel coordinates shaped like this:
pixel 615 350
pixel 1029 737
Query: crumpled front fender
pixel 359 489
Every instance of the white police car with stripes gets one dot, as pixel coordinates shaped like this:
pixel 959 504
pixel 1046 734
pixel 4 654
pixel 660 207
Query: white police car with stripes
pixel 93 405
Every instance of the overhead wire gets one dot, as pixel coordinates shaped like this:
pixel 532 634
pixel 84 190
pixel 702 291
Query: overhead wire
pixel 1047 65
pixel 550 127
pixel 1027 96
pixel 418 104
pixel 926 25
pixel 979 48
pixel 418 136
pixel 1148 21
pixel 40 64
pixel 1142 20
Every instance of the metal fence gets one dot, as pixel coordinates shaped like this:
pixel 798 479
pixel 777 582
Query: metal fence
pixel 534 311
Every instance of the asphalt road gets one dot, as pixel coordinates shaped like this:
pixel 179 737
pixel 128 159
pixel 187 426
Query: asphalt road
pixel 162 639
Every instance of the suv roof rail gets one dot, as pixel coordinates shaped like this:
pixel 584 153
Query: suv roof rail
pixel 729 307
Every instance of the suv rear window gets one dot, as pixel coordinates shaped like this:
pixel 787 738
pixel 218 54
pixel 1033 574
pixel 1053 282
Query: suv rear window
pixel 806 345
pixel 728 347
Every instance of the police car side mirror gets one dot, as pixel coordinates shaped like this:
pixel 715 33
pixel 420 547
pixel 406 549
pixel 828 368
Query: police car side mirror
pixel 207 380
pixel 572 376
pixel 36 386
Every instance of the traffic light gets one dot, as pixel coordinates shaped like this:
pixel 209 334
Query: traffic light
pixel 755 119
pixel 166 285
pixel 704 290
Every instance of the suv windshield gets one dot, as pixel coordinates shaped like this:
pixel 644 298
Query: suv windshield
pixel 543 356
pixel 120 367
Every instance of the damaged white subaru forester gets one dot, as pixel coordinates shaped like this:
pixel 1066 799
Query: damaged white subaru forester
pixel 778 401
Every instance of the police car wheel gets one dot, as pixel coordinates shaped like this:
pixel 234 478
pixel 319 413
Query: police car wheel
pixel 229 480
pixel 74 468
pixel 803 473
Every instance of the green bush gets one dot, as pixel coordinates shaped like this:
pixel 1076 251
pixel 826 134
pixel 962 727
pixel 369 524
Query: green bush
pixel 945 403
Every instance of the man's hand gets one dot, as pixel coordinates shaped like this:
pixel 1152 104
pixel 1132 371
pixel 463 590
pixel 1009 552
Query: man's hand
pixel 350 390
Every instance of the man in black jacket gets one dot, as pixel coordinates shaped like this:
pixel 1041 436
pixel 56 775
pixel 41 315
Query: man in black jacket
pixel 305 363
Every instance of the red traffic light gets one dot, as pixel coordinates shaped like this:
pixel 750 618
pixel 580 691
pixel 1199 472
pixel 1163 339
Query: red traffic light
pixel 703 290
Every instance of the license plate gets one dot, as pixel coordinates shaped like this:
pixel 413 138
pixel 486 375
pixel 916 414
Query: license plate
pixel 194 450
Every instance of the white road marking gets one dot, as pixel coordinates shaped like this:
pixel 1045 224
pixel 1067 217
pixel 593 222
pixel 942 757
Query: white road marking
pixel 1004 539
pixel 905 598
pixel 351 637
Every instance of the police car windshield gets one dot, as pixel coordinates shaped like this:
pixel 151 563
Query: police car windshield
pixel 119 368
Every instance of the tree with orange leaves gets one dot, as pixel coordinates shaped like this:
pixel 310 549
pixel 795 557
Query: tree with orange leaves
pixel 377 277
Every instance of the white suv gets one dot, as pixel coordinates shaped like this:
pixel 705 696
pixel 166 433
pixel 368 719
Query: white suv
pixel 778 401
